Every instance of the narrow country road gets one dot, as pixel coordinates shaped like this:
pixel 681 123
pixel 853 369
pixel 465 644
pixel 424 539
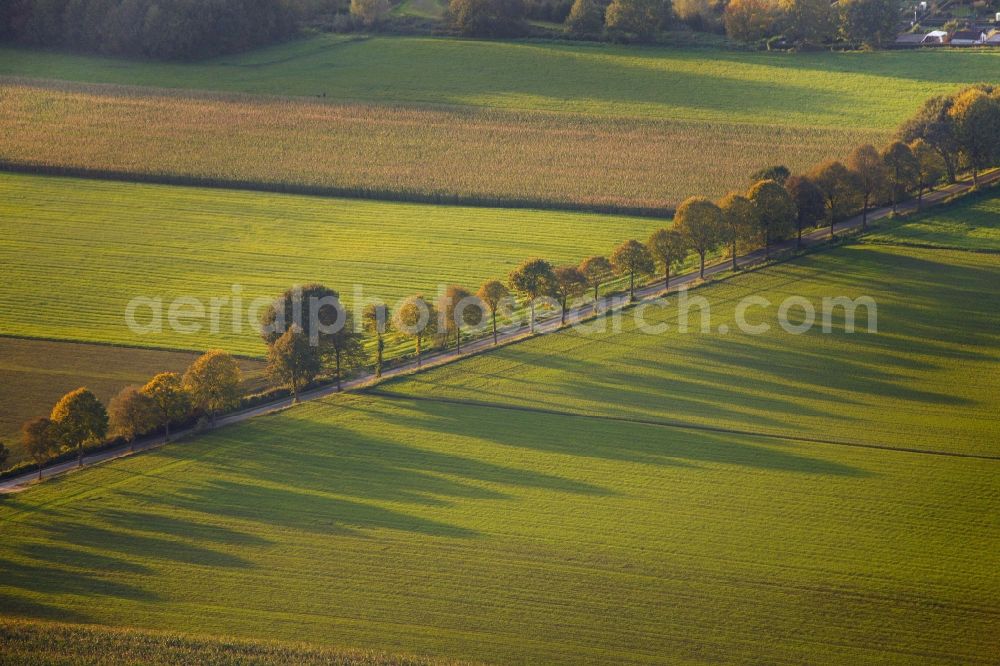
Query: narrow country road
pixel 550 324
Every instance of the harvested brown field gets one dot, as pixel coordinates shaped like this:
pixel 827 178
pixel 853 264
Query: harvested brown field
pixel 467 155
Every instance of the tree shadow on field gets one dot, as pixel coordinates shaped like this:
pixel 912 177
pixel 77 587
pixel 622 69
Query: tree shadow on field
pixel 294 508
pixel 145 546
pixel 595 436
pixel 56 576
pixel 304 472
pixel 17 606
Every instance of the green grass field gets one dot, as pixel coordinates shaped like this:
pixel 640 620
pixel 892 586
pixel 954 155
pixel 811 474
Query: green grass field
pixel 972 225
pixel 564 517
pixel 844 90
pixel 43 371
pixel 95 245
pixel 925 380
pixel 583 124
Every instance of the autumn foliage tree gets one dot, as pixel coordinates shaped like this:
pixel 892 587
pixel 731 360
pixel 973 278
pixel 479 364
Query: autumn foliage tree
pixel 292 360
pixel 172 402
pixel 597 270
pixel 532 279
pixel 930 167
pixel 934 124
pixel 901 168
pixel 738 222
pixel 213 382
pixel 750 20
pixel 700 222
pixel 869 22
pixel 976 116
pixel 810 204
pixel 370 12
pixel 586 17
pixel 668 247
pixel 457 307
pixel 494 297
pixel 632 258
pixel 131 413
pixel 376 320
pixel 487 18
pixel 639 18
pixel 569 283
pixel 775 211
pixel 870 175
pixel 415 318
pixel 79 419
pixel 839 187
pixel 40 442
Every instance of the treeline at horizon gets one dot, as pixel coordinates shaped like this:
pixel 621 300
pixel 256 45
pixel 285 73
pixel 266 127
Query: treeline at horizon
pixel 158 29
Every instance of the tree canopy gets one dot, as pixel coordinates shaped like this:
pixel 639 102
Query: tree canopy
pixel 700 222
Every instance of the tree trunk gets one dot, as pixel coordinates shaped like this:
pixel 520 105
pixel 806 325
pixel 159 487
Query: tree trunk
pixel 562 318
pixel 39 471
pixel 418 350
pixel 631 286
pixel 701 272
pixel 531 319
pixel 832 223
pixel 920 197
pixel 380 345
pixel 864 213
pixel 458 339
pixel 734 256
pixel 975 178
pixel 79 455
pixel 337 355
pixel 131 444
pixel 798 241
pixel 494 328
pixel 767 244
pixel 166 426
pixel 295 391
pixel 666 277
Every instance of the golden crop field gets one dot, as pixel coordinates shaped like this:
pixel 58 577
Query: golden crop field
pixel 475 155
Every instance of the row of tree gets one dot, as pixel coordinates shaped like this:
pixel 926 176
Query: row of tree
pixel 962 130
pixel 210 386
pixel 166 29
pixel 871 23
pixel 795 22
pixel 309 332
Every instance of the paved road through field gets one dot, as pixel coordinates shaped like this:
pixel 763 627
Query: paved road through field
pixel 548 325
